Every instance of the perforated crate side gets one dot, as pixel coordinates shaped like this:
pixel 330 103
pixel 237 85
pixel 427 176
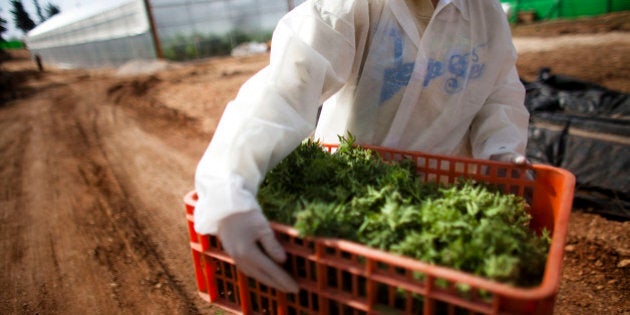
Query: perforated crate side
pixel 341 277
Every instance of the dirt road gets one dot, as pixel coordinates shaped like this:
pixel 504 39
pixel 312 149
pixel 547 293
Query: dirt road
pixel 94 167
pixel 92 218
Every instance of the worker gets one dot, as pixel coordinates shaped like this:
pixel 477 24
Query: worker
pixel 424 75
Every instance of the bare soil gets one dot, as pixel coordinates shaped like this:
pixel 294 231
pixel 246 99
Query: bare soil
pixel 95 165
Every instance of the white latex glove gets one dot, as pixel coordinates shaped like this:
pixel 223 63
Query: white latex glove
pixel 240 235
pixel 514 158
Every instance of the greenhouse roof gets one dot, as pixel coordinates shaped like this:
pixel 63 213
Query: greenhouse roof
pixel 74 15
pixel 99 22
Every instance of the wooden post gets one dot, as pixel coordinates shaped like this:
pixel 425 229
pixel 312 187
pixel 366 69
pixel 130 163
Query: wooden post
pixel 154 33
pixel 38 61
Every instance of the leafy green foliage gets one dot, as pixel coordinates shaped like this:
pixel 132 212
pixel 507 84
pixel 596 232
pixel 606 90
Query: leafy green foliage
pixel 196 45
pixel 353 194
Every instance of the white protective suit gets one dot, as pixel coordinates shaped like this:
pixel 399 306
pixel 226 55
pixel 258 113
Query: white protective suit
pixel 449 87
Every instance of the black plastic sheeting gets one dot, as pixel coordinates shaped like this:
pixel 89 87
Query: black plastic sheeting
pixel 585 129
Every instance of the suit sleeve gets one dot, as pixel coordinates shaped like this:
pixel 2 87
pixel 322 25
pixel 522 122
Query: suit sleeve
pixel 311 58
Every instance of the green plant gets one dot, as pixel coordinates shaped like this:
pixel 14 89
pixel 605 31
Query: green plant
pixel 354 194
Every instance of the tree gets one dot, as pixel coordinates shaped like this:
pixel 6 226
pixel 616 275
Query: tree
pixel 38 9
pixel 3 28
pixel 21 18
pixel 49 10
pixel 52 9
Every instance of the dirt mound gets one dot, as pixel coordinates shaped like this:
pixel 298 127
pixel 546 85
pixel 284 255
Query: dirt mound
pixel 600 59
pixel 11 87
pixel 619 21
pixel 138 97
pixel 134 88
pixel 143 67
pixel 596 270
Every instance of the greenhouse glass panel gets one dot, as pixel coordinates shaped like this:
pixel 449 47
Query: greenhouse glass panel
pixel 155 3
pixel 214 28
pixel 176 32
pixel 170 16
pixel 200 28
pixel 238 8
pixel 108 53
pixel 200 12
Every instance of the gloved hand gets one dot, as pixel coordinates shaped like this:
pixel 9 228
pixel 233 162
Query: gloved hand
pixel 510 158
pixel 240 235
pixel 516 159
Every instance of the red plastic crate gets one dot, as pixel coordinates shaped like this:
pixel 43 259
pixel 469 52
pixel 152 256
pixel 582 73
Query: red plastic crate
pixel 342 277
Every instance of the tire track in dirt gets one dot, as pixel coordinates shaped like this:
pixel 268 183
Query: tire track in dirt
pixel 73 226
pixel 12 240
pixel 125 236
pixel 129 247
pixel 162 165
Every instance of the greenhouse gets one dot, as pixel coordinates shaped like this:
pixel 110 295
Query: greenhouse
pixel 123 30
pixel 101 35
pixel 189 29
